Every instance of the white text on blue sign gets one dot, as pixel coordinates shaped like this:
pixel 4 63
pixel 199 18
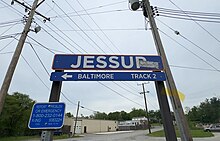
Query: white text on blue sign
pixel 107 62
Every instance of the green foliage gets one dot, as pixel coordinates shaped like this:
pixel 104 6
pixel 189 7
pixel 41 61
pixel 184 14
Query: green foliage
pixel 137 113
pixel 15 115
pixel 195 134
pixel 206 112
pixel 99 115
pixel 69 115
pixel 121 116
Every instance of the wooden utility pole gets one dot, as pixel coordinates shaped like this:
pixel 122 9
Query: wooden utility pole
pixel 77 111
pixel 174 98
pixel 9 74
pixel 145 102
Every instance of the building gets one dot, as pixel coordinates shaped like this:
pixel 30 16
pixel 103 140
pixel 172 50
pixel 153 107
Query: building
pixel 134 124
pixel 91 125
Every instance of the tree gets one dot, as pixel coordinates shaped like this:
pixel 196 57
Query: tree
pixel 115 116
pixel 69 115
pixel 207 112
pixel 137 113
pixel 15 116
pixel 98 115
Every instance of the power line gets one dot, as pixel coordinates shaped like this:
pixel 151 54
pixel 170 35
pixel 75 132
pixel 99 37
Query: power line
pixel 80 28
pixel 49 49
pixel 194 68
pixel 178 33
pixel 190 51
pixel 9 52
pixel 99 27
pixel 45 84
pixel 97 7
pixel 105 29
pixel 196 22
pixel 119 94
pixel 84 33
pixel 38 57
pixel 69 37
pixel 7 44
pixel 182 13
pixel 200 20
pixel 15 10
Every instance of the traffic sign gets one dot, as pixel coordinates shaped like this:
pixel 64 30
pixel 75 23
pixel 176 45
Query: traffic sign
pixel 106 62
pixel 47 115
pixel 107 76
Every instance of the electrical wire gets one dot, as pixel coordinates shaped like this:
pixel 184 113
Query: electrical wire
pixel 38 57
pixel 190 41
pixel 190 19
pixel 182 13
pixel 7 44
pixel 193 68
pixel 97 7
pixel 190 51
pixel 105 29
pixel 43 81
pixel 99 28
pixel 76 32
pixel 9 52
pixel 49 49
pixel 89 25
pixel 83 32
pixel 80 28
pixel 197 23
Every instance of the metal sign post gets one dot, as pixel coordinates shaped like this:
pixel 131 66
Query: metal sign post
pixel 54 97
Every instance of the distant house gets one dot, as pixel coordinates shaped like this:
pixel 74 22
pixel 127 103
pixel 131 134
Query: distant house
pixel 91 125
pixel 136 123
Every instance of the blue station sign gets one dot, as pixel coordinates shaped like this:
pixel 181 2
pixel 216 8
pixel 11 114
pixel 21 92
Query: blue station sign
pixel 107 62
pixel 47 115
pixel 108 76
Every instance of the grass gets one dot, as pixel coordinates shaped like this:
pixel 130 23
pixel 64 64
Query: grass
pixel 198 133
pixel 23 138
pixel 20 138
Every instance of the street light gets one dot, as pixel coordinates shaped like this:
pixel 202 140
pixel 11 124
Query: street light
pixel 135 4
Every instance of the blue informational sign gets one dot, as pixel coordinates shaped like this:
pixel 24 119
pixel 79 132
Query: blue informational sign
pixel 107 62
pixel 108 76
pixel 47 115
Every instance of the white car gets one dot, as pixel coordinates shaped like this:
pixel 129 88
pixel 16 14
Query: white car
pixel 213 128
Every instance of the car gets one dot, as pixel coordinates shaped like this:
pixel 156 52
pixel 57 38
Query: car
pixel 58 132
pixel 212 128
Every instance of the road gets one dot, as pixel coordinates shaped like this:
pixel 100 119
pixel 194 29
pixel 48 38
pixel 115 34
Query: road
pixel 139 135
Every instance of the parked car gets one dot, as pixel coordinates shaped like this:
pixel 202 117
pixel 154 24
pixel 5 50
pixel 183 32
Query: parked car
pixel 213 128
pixel 57 132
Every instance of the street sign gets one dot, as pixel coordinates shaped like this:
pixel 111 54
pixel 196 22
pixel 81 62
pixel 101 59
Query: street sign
pixel 47 115
pixel 107 62
pixel 107 76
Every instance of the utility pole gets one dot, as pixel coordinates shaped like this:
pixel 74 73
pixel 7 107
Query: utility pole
pixel 174 98
pixel 9 74
pixel 145 102
pixel 77 111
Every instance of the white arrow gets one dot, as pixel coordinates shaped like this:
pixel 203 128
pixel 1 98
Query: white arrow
pixel 65 76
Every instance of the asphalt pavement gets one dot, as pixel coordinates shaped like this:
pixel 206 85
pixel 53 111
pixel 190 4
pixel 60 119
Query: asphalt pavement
pixel 137 135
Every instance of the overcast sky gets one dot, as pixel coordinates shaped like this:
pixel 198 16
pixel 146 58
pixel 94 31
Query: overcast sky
pixel 123 32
